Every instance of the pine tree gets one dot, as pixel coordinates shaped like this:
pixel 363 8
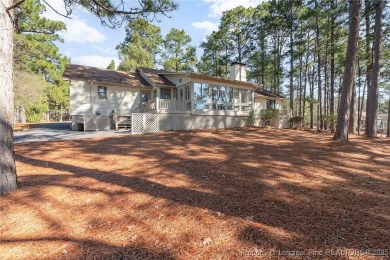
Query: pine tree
pixel 110 12
pixel 111 66
pixel 372 93
pixel 178 54
pixel 141 45
pixel 341 133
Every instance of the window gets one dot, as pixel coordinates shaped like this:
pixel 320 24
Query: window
pixel 187 92
pixel 229 107
pixel 197 91
pixel 102 92
pixel 180 94
pixel 229 94
pixel 205 92
pixel 144 96
pixel 236 95
pixel 165 93
pixel 222 94
pixel 249 96
pixel 174 92
pixel 207 106
pixel 244 97
pixel 222 98
pixel 221 106
pixel 214 92
pixel 271 104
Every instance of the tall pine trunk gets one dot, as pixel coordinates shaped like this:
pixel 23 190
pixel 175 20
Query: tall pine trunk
pixel 7 162
pixel 300 86
pixel 341 132
pixel 332 68
pixel 291 65
pixel 312 99
pixel 304 98
pixel 352 110
pixel 388 120
pixel 319 106
pixel 361 98
pixel 367 7
pixel 372 93
pixel 326 91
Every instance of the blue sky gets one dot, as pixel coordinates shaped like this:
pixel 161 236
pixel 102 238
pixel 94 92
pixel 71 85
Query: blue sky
pixel 87 42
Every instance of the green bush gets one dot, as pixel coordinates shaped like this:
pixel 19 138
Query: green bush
pixel 328 119
pixel 266 115
pixel 250 120
pixel 35 112
pixel 296 122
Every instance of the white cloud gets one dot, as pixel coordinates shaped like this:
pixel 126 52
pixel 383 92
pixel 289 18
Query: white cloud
pixel 206 26
pixel 77 29
pixel 68 53
pixel 219 6
pixel 94 60
pixel 109 51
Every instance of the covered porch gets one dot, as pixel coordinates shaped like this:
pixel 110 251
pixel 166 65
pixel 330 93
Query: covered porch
pixel 165 99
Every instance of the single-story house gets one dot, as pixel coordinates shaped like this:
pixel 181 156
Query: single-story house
pixel 151 100
pixel 381 122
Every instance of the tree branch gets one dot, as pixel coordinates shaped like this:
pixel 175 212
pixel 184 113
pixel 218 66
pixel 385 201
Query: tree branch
pixel 40 32
pixel 66 16
pixel 15 5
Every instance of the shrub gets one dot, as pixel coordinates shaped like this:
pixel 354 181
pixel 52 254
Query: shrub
pixel 266 115
pixel 328 119
pixel 250 120
pixel 295 122
pixel 35 113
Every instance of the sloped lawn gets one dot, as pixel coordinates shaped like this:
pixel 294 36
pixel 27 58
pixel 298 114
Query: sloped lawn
pixel 223 194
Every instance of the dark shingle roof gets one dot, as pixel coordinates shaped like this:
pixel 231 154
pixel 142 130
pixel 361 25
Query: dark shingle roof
pixel 156 77
pixel 73 71
pixel 267 93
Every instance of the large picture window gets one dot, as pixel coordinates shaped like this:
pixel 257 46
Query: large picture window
pixel 102 92
pixel 215 97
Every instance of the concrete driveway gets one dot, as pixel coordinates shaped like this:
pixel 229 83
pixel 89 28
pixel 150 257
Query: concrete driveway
pixel 56 131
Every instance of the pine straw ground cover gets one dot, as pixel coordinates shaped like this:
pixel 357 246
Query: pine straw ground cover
pixel 223 194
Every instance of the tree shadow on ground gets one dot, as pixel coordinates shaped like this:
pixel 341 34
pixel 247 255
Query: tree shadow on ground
pixel 91 249
pixel 270 189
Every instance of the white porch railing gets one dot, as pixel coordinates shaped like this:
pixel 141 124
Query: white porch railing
pixel 174 105
pixel 163 105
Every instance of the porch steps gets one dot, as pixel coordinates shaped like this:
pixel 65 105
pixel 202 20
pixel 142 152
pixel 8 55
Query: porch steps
pixel 124 124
